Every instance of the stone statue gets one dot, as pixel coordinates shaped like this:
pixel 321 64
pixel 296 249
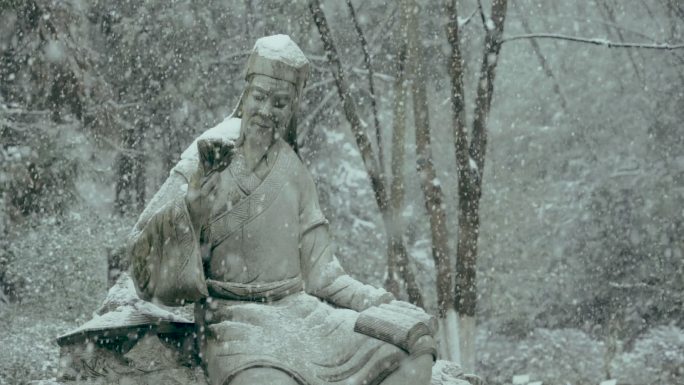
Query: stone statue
pixel 248 242
pixel 237 230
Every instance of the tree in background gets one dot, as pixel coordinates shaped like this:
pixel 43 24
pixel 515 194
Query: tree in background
pixel 370 160
pixel 43 71
pixel 470 159
pixel 429 182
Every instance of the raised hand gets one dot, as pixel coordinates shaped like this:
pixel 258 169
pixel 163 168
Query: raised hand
pixel 200 197
pixel 214 154
pixel 214 157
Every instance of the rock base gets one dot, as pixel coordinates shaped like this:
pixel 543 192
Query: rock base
pixel 150 362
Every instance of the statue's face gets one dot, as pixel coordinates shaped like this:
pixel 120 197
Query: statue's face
pixel 266 110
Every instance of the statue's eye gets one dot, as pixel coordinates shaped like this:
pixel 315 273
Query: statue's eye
pixel 280 103
pixel 259 97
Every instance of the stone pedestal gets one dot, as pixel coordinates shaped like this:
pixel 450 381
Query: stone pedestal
pixel 154 359
pixel 133 342
pixel 151 362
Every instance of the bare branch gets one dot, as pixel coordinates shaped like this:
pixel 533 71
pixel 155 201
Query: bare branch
pixel 485 89
pixel 482 14
pixel 349 106
pixel 385 24
pixel 610 14
pixel 381 76
pixel 305 124
pixel 463 22
pixel 603 42
pixel 457 97
pixel 362 141
pixel 124 151
pixel 636 285
pixel 317 84
pixel 469 196
pixel 371 85
pixel 544 64
pixel 676 10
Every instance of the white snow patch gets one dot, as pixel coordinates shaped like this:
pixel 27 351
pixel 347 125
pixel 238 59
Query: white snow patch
pixel 334 136
pixel 362 224
pixel 521 379
pixel 282 48
pixel 228 130
pixel 54 51
pixel 472 164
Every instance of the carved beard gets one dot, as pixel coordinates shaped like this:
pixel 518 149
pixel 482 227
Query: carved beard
pixel 257 143
pixel 261 142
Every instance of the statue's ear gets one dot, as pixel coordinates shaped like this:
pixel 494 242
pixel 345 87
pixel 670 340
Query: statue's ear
pixel 291 133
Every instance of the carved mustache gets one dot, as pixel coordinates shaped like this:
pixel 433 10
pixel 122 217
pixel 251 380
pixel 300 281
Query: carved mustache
pixel 264 120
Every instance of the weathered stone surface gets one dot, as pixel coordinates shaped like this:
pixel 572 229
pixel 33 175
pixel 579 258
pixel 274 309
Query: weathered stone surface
pixel 450 373
pixel 149 361
pixel 178 376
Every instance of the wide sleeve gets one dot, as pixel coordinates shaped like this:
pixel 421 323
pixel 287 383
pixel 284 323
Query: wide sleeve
pixel 164 247
pixel 323 275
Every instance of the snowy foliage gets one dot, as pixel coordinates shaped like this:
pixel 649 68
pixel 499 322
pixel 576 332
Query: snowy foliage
pixel 658 357
pixel 564 356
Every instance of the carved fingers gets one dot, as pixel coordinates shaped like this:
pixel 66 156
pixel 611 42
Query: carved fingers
pixel 200 197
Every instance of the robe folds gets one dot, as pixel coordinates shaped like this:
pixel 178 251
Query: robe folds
pixel 268 290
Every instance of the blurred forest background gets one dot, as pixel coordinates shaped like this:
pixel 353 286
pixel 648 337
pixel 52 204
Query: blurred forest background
pixel 580 258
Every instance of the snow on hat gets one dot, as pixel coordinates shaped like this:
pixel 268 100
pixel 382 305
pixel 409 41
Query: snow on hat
pixel 279 57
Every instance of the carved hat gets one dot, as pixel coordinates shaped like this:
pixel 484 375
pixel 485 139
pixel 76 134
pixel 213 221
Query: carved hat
pixel 279 57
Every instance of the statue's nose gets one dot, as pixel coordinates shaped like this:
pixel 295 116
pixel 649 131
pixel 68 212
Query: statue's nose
pixel 265 110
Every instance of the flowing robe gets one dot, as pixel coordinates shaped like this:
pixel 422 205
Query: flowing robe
pixel 269 291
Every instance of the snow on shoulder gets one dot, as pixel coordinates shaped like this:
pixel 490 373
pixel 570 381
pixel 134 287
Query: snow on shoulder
pixel 228 131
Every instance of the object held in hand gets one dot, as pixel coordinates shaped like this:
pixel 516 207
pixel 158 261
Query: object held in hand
pixel 215 154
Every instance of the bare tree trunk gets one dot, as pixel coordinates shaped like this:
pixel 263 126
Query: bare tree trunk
pixel 430 185
pixel 456 69
pixel 470 189
pixel 397 186
pixel 371 87
pixel 369 161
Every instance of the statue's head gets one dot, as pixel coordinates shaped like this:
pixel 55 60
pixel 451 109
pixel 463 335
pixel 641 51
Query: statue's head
pixel 276 74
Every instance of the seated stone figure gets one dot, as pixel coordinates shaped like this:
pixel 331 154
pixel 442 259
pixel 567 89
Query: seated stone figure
pixel 237 229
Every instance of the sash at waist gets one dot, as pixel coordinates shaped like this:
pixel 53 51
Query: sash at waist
pixel 262 291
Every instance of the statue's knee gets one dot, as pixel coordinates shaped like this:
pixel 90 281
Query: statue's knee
pixel 413 371
pixel 419 368
pixel 262 376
